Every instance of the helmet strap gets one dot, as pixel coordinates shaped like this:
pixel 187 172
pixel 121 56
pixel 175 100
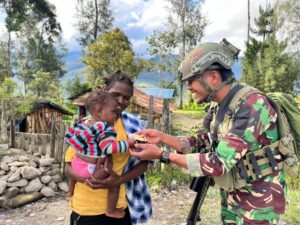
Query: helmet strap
pixel 212 92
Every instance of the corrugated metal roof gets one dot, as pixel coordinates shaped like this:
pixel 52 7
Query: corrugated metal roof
pixel 159 92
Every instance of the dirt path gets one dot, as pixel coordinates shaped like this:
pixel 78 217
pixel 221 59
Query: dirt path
pixel 186 123
pixel 169 208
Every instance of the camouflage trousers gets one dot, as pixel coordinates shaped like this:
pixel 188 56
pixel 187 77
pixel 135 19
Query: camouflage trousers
pixel 232 215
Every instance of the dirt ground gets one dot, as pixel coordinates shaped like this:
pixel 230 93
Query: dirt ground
pixel 169 208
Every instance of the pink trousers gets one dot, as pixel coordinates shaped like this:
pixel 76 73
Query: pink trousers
pixel 82 168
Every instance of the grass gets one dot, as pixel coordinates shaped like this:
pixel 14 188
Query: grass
pixel 194 114
pixel 291 216
pixel 211 214
pixel 166 175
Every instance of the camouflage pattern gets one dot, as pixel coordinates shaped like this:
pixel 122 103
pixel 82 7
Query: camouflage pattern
pixel 259 202
pixel 204 55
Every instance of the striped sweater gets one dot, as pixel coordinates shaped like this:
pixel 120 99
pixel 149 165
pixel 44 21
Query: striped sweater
pixel 94 141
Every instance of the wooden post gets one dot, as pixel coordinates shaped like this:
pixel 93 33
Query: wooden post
pixel 166 117
pixel 150 113
pixel 3 131
pixel 52 140
pixel 60 145
pixel 65 148
pixel 12 128
pixel 21 141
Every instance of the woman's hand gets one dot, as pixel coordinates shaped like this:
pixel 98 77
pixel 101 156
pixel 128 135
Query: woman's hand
pixel 153 136
pixel 146 152
pixel 111 181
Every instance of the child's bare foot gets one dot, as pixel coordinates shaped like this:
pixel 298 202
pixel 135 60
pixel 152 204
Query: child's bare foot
pixel 116 213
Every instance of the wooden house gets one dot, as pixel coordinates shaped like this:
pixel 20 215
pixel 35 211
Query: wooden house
pixel 139 105
pixel 39 119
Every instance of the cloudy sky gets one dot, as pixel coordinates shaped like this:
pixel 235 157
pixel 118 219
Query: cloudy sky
pixel 139 18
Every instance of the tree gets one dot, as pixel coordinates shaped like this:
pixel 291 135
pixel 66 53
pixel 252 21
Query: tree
pixel 277 68
pixel 248 27
pixel 185 28
pixel 251 73
pixel 266 23
pixel 111 52
pixel 43 86
pixel 38 50
pixel 288 12
pixel 18 13
pixel 94 19
pixel 75 87
pixel 8 88
pixel 267 65
pixel 4 62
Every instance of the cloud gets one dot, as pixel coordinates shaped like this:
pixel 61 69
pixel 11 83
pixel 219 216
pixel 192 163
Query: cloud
pixel 139 18
pixel 229 19
pixel 65 11
pixel 139 46
pixel 153 16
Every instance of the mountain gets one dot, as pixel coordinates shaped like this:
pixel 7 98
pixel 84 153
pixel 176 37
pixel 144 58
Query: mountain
pixel 153 78
pixel 74 67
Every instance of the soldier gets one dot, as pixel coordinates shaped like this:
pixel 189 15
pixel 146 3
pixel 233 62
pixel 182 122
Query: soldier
pixel 243 156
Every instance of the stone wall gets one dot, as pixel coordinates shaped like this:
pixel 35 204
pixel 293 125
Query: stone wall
pixel 21 173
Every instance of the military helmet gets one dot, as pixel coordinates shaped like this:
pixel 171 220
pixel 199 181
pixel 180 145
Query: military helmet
pixel 208 55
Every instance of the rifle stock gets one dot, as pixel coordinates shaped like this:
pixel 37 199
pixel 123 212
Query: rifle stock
pixel 200 185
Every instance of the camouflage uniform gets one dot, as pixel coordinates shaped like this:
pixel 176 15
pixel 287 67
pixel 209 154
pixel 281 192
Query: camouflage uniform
pixel 259 202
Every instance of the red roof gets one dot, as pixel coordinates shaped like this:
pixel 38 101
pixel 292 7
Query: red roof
pixel 140 98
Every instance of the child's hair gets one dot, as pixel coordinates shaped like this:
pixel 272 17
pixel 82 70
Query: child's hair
pixel 118 76
pixel 98 99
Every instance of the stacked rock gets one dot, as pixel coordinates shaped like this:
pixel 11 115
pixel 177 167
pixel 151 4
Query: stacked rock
pixel 23 174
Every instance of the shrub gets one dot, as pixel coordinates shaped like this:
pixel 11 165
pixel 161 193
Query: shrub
pixel 166 175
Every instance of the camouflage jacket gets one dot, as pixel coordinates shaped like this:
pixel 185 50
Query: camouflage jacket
pixel 254 126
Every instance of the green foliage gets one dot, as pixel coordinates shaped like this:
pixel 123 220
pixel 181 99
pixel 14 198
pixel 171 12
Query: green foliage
pixel 266 23
pixel 111 52
pixel 162 44
pixel 166 175
pixel 37 54
pixel 289 18
pixel 184 30
pixel 297 99
pixel 8 88
pixel 19 11
pixel 4 70
pixel 94 17
pixel 291 215
pixel 24 105
pixel 43 86
pixel 294 182
pixel 177 128
pixel 191 105
pixel 267 65
pixel 75 87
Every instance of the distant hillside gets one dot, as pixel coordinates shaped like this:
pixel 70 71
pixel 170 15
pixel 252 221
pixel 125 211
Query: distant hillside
pixel 153 78
pixel 74 67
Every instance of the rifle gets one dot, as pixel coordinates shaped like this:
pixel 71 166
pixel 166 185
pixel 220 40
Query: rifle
pixel 200 185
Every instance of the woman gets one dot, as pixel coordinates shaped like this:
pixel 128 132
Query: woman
pixel 89 202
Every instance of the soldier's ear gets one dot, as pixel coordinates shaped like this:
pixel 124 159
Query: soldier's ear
pixel 215 76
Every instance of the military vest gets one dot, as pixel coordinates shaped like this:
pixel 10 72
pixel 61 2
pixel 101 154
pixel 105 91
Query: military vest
pixel 249 168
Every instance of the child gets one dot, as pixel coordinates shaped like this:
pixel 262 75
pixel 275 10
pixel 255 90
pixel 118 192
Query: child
pixel 93 138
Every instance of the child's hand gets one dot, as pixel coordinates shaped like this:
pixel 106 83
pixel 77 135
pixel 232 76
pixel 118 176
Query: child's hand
pixel 131 142
pixel 138 138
